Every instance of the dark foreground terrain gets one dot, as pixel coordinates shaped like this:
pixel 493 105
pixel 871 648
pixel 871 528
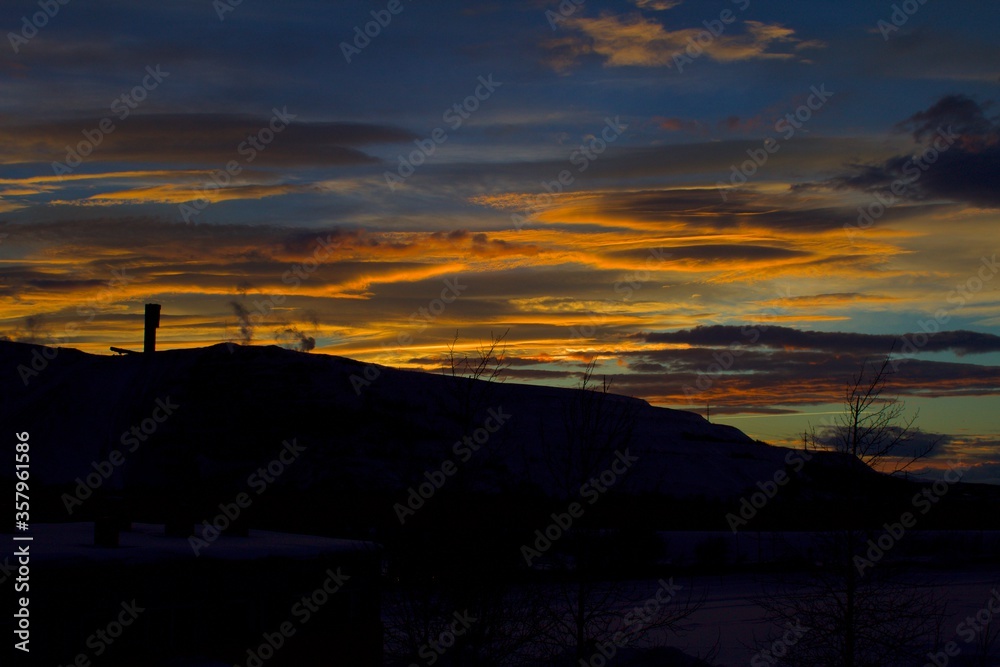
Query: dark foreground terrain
pixel 571 525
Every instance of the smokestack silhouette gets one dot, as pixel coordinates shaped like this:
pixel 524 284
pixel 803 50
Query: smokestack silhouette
pixel 152 322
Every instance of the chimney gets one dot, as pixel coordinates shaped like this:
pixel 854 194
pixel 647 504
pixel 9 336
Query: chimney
pixel 152 322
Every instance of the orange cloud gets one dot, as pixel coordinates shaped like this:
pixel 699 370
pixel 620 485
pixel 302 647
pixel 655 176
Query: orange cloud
pixel 634 40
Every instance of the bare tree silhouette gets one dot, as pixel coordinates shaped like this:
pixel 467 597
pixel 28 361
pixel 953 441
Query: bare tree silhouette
pixel 473 568
pixel 585 606
pixel 857 616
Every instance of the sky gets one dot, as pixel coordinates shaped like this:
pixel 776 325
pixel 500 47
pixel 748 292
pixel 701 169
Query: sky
pixel 727 206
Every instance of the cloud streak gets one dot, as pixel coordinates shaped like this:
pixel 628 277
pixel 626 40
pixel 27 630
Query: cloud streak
pixel 632 40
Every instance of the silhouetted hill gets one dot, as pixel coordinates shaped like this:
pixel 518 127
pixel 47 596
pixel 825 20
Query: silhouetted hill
pixel 372 433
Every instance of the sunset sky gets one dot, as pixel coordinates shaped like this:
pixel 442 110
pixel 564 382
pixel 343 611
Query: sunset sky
pixel 662 185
